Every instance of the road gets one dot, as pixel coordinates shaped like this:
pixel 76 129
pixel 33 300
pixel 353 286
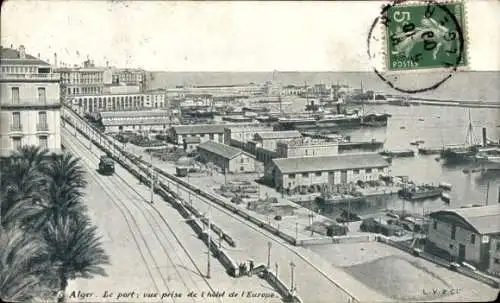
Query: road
pixel 152 249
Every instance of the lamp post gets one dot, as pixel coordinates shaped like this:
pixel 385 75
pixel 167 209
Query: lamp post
pixel 269 245
pixel 276 264
pixel 292 267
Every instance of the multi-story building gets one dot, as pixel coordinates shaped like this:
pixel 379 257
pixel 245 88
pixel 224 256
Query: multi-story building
pixel 288 173
pixel 307 147
pixel 115 102
pixel 29 102
pixel 78 81
pixel 465 235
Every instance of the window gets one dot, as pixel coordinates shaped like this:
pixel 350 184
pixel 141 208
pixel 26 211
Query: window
pixel 242 168
pixel 435 224
pixel 211 136
pixel 496 261
pixel 472 238
pixel 498 245
pixel 318 174
pixel 291 176
pixel 242 160
pixel 15 95
pixel 16 120
pixel 16 143
pixel 453 231
pixel 356 171
pixel 368 170
pixel 305 175
pixel 41 95
pixel 43 141
pixel 42 117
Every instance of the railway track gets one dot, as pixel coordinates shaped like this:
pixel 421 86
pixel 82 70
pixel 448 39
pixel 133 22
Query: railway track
pixel 155 221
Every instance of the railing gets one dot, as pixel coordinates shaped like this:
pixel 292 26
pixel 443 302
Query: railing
pixel 16 127
pixel 36 76
pixel 42 127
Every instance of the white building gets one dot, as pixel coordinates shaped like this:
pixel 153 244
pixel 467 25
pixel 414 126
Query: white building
pixel 465 234
pixel 29 102
pixel 307 147
pixel 341 169
pixel 116 102
pixel 140 120
pixel 243 133
pixel 269 140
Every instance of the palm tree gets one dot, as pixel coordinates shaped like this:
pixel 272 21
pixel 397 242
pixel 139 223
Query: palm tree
pixel 65 181
pixel 75 249
pixel 19 263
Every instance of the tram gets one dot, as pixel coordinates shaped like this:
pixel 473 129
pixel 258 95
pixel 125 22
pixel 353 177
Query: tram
pixel 106 165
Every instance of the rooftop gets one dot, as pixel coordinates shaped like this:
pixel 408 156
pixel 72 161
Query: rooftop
pixel 328 163
pixel 135 114
pixel 199 129
pixel 12 56
pixel 288 134
pixel 220 149
pixel 482 219
pixel 156 121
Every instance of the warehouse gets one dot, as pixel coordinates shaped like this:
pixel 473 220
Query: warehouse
pixel 466 234
pixel 269 140
pixel 341 169
pixel 227 158
pixel 140 120
pixel 205 132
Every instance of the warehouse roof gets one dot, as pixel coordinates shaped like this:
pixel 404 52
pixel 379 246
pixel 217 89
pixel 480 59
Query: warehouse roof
pixel 220 149
pixel 135 114
pixel 287 134
pixel 482 219
pixel 199 129
pixel 328 163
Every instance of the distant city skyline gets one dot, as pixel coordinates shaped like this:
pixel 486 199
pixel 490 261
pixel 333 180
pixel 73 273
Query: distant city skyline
pixel 218 36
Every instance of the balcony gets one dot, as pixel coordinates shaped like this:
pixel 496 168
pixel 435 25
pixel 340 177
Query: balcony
pixel 30 77
pixel 16 128
pixel 42 127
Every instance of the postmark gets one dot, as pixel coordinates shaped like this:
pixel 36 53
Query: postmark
pixel 411 37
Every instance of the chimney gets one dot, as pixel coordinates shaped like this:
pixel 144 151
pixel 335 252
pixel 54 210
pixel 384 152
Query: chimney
pixel 55 59
pixel 107 63
pixel 22 52
pixel 485 140
pixel 12 46
pixel 38 56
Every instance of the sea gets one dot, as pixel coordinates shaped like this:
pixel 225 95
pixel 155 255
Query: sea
pixel 436 125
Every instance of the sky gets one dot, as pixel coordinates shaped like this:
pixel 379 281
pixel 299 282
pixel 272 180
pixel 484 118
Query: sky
pixel 219 36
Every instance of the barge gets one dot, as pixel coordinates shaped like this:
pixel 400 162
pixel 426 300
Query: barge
pixel 398 153
pixel 430 150
pixel 420 192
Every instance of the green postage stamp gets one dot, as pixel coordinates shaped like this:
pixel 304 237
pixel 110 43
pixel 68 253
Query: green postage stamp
pixel 425 35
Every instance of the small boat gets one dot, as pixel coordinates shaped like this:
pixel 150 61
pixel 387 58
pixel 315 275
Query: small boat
pixel 421 119
pixel 402 127
pixel 445 197
pixel 420 192
pixel 445 186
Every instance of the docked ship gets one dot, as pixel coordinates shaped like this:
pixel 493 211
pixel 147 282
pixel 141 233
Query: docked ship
pixel 420 192
pixel 462 153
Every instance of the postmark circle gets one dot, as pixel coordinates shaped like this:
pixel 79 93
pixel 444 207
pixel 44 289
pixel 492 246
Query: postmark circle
pixel 408 38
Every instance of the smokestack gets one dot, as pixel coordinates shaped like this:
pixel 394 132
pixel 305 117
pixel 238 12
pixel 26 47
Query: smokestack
pixel 55 59
pixel 485 140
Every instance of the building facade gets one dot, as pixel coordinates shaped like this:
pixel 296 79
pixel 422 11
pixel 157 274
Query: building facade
pixel 30 106
pixel 141 120
pixel 243 133
pixel 227 158
pixel 307 147
pixel 269 140
pixel 116 102
pixel 342 169
pixel 465 235
pixel 494 264
pixel 78 81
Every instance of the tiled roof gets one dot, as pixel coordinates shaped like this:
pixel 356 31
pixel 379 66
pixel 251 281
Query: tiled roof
pixel 11 56
pixel 483 219
pixel 279 134
pixel 220 149
pixel 328 163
